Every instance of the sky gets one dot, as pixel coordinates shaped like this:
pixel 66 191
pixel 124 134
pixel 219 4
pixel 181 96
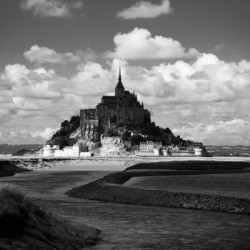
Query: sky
pixel 187 60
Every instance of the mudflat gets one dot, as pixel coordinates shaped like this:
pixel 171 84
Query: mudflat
pixel 103 163
pixel 235 185
pixel 110 188
pixel 125 226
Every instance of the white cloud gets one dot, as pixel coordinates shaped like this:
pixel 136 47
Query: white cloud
pixel 207 91
pixel 15 73
pixel 45 134
pixel 50 8
pixel 41 93
pixel 208 79
pixel 45 55
pixel 25 136
pixel 231 132
pixel 91 79
pixel 145 9
pixel 35 83
pixel 139 44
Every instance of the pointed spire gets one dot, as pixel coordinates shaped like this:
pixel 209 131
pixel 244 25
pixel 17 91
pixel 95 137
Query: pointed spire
pixel 120 76
pixel 119 84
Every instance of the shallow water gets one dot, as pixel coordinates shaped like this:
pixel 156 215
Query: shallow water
pixel 130 226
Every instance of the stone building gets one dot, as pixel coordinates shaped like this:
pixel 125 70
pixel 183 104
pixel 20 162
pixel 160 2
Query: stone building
pixel 146 146
pixel 121 109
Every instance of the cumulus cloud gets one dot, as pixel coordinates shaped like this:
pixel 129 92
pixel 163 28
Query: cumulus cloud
pixel 7 107
pixel 205 80
pixel 91 79
pixel 41 93
pixel 231 132
pixel 44 134
pixel 145 9
pixel 51 8
pixel 207 91
pixel 139 44
pixel 46 55
pixel 208 79
pixel 35 83
pixel 25 136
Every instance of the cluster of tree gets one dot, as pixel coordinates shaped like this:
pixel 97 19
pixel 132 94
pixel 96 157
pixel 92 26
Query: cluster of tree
pixel 67 127
pixel 147 132
pixel 62 136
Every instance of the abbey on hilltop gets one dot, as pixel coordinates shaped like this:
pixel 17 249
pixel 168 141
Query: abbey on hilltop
pixel 121 109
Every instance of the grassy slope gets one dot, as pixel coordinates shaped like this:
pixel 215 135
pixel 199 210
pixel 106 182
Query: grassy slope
pixel 9 168
pixel 24 225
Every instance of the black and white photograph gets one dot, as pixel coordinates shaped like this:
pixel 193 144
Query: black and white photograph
pixel 124 125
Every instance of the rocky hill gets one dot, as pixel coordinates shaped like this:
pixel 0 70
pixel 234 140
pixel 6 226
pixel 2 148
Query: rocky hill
pixel 137 133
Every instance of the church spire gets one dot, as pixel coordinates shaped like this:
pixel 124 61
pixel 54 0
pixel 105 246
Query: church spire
pixel 119 84
pixel 120 76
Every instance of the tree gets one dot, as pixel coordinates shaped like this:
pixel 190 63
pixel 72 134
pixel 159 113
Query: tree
pixel 65 124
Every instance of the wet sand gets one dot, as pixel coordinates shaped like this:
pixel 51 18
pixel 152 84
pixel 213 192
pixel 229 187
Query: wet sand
pixel 131 226
pixel 102 163
pixel 111 189
pixel 235 185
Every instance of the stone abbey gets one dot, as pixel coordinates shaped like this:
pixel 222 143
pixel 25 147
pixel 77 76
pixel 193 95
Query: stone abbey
pixel 119 110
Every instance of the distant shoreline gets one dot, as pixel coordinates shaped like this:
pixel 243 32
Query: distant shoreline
pixel 100 163
pixel 154 158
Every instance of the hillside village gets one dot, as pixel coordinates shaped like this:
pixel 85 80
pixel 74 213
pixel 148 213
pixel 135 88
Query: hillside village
pixel 118 126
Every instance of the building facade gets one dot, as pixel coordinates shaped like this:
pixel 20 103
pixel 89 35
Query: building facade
pixel 121 109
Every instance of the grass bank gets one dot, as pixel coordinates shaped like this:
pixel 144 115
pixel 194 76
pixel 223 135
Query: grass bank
pixel 9 168
pixel 23 225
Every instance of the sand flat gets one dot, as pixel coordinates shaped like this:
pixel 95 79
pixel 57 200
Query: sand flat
pixel 103 163
pixel 235 184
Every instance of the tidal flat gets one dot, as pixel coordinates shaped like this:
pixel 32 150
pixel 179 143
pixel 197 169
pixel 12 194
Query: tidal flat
pixel 232 185
pixel 131 226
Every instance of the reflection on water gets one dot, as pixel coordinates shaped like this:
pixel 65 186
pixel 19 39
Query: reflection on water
pixel 135 227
